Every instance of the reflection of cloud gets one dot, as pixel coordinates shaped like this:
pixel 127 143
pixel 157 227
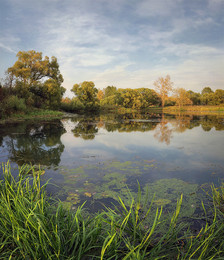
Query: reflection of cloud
pixel 195 141
pixel 114 141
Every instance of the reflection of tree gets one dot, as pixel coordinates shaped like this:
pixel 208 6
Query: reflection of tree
pixel 181 123
pixel 37 143
pixel 208 122
pixel 88 126
pixel 163 133
pixel 86 129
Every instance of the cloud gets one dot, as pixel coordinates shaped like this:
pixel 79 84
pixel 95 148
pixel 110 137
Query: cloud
pixel 122 43
pixel 9 42
pixel 158 8
pixel 192 74
pixel 7 48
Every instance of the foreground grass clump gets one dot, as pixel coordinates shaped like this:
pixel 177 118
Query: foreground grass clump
pixel 33 227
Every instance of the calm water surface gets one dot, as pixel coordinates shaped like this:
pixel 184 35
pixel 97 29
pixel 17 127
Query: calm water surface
pixel 95 158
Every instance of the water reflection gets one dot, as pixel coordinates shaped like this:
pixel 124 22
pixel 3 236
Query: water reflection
pixel 86 128
pixel 40 142
pixel 98 155
pixel 35 143
pixel 163 131
pixel 163 125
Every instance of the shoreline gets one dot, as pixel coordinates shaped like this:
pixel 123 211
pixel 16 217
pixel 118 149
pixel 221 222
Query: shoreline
pixel 39 114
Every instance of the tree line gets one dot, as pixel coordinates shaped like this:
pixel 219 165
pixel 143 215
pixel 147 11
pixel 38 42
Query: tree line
pixel 88 97
pixel 36 82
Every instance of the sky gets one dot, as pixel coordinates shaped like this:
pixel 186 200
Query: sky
pixel 124 43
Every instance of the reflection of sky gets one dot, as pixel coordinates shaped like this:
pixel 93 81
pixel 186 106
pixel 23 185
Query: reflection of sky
pixel 194 153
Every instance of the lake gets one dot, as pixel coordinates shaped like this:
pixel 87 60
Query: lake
pixel 98 158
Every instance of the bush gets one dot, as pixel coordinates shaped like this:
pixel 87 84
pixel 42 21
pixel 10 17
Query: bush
pixel 72 105
pixel 14 104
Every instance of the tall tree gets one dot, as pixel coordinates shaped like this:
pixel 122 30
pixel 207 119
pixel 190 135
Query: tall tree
pixel 182 97
pixel 109 91
pixel 34 77
pixel 207 90
pixel 163 87
pixel 100 94
pixel 194 97
pixel 31 67
pixel 218 97
pixel 150 96
pixel 86 92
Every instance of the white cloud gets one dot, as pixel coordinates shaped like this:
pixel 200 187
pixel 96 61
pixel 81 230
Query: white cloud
pixel 103 41
pixel 192 74
pixel 9 42
pixel 157 8
pixel 7 48
pixel 216 5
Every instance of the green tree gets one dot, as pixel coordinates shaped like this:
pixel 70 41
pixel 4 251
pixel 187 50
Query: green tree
pixel 132 98
pixel 86 92
pixel 194 97
pixel 163 87
pixel 206 90
pixel 207 98
pixel 110 91
pixel 36 78
pixel 31 67
pixel 218 97
pixel 150 96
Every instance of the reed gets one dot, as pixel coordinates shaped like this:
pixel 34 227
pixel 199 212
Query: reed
pixel 34 226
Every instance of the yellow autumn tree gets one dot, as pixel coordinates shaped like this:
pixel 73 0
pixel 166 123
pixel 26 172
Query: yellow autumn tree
pixel 100 94
pixel 182 97
pixel 36 79
pixel 163 87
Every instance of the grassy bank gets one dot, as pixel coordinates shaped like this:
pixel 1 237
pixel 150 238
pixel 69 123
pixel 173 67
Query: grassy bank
pixel 33 114
pixel 123 110
pixel 33 226
pixel 195 109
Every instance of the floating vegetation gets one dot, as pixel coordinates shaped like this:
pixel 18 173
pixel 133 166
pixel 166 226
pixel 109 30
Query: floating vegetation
pixel 162 202
pixel 119 165
pixel 71 200
pixel 111 180
pixel 88 194
pixel 166 190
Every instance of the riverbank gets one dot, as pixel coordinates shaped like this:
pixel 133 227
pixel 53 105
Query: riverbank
pixel 195 109
pixel 32 225
pixel 34 114
pixel 169 109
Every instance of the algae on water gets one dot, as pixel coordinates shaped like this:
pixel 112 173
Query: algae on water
pixel 113 179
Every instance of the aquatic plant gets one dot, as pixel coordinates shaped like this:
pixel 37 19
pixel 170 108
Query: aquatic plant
pixel 34 226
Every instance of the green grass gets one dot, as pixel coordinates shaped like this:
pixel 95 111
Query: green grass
pixel 34 226
pixel 33 114
pixel 195 109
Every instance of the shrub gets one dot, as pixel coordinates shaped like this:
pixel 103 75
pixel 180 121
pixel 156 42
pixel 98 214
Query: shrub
pixel 72 105
pixel 14 104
